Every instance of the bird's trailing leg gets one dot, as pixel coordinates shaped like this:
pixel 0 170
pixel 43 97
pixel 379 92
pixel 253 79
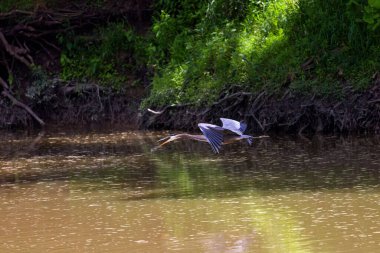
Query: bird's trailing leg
pixel 261 136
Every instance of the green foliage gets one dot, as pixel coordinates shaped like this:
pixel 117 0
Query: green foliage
pixel 108 56
pixel 259 44
pixel 198 48
pixel 7 5
pixel 367 11
pixel 29 5
pixel 372 14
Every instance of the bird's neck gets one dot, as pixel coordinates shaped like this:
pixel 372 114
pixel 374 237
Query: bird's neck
pixel 232 138
pixel 196 137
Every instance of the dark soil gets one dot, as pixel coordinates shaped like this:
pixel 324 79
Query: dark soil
pixel 29 39
pixel 77 104
pixel 355 112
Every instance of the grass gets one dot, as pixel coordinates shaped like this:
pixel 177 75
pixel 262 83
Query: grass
pixel 263 48
pixel 197 49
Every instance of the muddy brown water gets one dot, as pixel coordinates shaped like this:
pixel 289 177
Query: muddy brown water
pixel 106 191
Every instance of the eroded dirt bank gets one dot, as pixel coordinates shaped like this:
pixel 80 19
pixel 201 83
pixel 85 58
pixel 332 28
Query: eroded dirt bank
pixel 355 112
pixel 76 104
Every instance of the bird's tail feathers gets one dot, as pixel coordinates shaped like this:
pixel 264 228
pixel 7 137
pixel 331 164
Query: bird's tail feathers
pixel 250 138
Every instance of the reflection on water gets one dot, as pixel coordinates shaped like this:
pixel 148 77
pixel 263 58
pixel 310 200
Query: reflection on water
pixel 107 192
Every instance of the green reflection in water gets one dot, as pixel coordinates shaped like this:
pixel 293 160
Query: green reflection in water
pixel 189 175
pixel 283 196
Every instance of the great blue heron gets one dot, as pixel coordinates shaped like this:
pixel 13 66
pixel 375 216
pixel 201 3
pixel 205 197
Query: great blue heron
pixel 229 132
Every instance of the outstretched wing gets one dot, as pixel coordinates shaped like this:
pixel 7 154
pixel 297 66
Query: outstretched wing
pixel 213 134
pixel 234 126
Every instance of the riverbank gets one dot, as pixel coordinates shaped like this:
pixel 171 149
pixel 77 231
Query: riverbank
pixel 288 112
pixel 71 104
pixel 290 66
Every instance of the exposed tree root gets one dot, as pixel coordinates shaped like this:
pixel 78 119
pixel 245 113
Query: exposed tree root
pixel 6 93
pixel 86 104
pixel 291 113
pixel 29 38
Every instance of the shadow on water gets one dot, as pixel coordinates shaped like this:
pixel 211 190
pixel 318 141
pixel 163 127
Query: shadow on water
pixel 188 169
pixel 107 192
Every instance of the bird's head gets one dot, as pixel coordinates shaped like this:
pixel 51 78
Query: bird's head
pixel 167 139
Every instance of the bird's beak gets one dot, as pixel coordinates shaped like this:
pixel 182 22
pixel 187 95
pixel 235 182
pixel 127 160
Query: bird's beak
pixel 164 139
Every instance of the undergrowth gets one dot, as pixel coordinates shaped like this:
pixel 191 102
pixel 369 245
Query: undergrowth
pixel 110 56
pixel 8 5
pixel 199 48
pixel 30 5
pixel 309 46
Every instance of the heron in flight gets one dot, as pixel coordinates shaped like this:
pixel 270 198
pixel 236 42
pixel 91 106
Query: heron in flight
pixel 230 131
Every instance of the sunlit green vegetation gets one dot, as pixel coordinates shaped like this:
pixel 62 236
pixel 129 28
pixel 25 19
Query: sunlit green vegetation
pixel 203 47
pixel 196 49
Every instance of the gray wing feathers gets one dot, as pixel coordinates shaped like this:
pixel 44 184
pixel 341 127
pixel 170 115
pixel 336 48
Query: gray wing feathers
pixel 234 126
pixel 213 134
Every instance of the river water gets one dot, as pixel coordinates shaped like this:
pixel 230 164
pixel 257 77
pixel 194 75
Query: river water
pixel 107 191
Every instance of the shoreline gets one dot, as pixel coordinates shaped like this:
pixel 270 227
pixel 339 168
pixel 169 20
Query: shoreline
pixel 289 113
pixel 286 112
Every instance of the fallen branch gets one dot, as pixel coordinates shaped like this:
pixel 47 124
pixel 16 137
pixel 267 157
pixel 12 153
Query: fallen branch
pixel 4 84
pixel 13 12
pixel 7 94
pixel 14 51
pixel 374 101
pixel 25 107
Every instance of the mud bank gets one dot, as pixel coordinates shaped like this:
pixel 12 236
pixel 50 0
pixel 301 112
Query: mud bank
pixel 288 112
pixel 77 104
pixel 355 112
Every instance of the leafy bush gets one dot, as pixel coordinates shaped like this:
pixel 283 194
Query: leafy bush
pixel 108 56
pixel 370 10
pixel 261 45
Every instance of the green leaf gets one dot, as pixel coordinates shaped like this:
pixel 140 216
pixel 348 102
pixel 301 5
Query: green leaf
pixel 374 3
